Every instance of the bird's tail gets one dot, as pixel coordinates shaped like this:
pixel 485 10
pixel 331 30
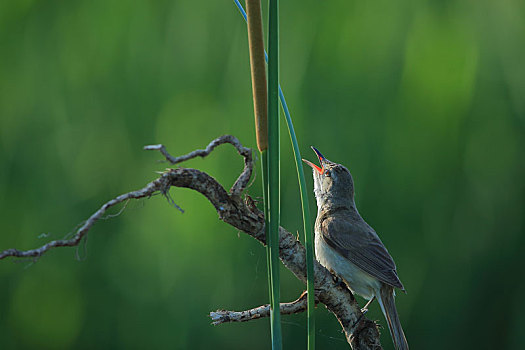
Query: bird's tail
pixel 388 306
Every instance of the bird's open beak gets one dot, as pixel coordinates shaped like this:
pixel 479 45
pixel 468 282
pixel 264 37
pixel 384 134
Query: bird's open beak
pixel 320 169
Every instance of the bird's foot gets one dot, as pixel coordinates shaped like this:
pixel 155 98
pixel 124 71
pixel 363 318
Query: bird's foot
pixel 364 310
pixel 338 280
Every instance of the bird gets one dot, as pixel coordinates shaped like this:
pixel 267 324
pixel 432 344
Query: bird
pixel 350 248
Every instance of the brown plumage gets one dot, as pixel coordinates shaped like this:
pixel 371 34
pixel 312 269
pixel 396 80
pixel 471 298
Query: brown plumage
pixel 349 247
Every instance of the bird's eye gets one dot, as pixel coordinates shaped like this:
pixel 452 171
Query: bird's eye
pixel 327 173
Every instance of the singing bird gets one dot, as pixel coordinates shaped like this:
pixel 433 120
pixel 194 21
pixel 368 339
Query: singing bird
pixel 347 246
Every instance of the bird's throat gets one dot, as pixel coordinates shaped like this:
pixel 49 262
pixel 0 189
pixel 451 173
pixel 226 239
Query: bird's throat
pixel 329 203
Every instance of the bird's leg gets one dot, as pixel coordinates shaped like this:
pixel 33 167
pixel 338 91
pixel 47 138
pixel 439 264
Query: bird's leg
pixel 364 310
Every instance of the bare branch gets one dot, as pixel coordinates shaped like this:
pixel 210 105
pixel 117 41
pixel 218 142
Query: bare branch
pixel 149 190
pixel 360 332
pixel 223 316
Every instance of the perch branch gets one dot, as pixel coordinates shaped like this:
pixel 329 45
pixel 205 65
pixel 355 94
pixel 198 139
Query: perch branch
pixel 223 316
pixel 361 333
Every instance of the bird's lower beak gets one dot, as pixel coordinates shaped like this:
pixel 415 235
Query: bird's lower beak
pixel 315 167
pixel 320 169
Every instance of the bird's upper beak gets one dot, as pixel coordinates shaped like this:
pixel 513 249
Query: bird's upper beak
pixel 320 169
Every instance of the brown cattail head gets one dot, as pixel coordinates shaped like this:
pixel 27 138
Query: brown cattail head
pixel 258 70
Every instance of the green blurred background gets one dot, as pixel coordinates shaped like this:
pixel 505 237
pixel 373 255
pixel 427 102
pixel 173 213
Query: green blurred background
pixel 423 101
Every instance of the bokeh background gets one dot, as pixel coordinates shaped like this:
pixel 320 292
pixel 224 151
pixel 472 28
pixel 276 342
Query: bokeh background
pixel 423 101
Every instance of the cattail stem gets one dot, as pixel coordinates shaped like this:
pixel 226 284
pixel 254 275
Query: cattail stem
pixel 267 143
pixel 274 168
pixel 305 209
pixel 308 234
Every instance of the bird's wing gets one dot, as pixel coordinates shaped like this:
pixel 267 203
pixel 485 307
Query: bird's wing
pixel 360 245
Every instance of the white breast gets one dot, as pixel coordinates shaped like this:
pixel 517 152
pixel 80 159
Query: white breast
pixel 359 281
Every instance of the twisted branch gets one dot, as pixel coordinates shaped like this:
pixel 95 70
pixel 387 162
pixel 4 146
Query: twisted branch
pixel 242 180
pixel 360 332
pixel 159 186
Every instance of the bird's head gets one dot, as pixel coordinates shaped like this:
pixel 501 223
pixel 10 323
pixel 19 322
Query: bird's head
pixel 333 183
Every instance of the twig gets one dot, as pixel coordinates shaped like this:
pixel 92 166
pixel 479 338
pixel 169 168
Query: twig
pixel 223 316
pixel 245 152
pixel 147 191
